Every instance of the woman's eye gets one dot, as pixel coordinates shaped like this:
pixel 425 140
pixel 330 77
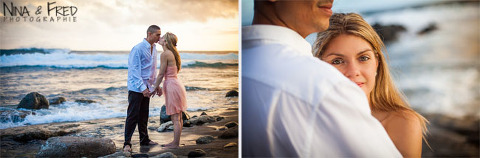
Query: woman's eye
pixel 337 61
pixel 364 58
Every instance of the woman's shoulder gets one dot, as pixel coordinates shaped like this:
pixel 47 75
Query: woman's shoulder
pixel 167 53
pixel 403 121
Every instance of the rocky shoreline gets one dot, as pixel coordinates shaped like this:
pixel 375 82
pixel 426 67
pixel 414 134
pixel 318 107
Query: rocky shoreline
pixel 31 141
pixel 452 137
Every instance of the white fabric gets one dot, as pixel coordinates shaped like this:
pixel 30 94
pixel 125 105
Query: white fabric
pixel 141 67
pixel 296 105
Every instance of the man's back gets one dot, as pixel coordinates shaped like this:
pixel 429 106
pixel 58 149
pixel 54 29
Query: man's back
pixel 296 105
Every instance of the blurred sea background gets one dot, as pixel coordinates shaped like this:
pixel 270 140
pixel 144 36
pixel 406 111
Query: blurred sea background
pixel 434 57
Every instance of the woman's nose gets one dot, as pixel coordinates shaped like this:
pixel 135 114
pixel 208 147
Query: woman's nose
pixel 352 69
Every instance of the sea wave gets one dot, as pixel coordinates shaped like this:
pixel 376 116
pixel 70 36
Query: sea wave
pixel 66 59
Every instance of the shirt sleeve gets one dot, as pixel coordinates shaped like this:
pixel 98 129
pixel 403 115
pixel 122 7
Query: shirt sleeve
pixel 134 65
pixel 336 127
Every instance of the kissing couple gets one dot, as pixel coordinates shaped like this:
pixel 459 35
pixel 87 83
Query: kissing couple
pixel 143 83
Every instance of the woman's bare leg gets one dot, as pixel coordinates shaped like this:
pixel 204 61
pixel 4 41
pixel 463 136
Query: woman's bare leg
pixel 177 130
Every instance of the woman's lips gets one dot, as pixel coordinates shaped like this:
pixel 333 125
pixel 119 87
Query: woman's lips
pixel 360 84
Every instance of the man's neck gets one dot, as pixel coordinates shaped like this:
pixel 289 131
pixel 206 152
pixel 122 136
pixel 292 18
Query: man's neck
pixel 149 41
pixel 266 17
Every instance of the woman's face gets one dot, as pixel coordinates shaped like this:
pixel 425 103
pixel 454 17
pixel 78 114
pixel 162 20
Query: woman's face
pixel 354 57
pixel 161 41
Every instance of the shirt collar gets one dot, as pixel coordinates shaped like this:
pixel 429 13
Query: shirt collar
pixel 277 34
pixel 145 42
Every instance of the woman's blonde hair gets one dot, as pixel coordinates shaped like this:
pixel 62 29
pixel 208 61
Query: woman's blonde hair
pixel 384 96
pixel 171 43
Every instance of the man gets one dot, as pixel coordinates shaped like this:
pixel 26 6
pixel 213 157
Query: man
pixel 294 105
pixel 142 63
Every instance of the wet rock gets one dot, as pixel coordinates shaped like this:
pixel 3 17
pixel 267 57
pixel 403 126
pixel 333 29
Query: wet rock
pixel 58 100
pixel 118 154
pixel 231 144
pixel 152 127
pixel 230 133
pixel 14 116
pixel 431 27
pixel 164 126
pixel 204 119
pixel 187 123
pixel 34 100
pixel 85 101
pixel 388 33
pixel 165 118
pixel 232 109
pixel 205 140
pixel 219 118
pixel 232 93
pixel 165 155
pixel 35 133
pixel 197 153
pixel 76 147
pixel 452 137
pixel 223 128
pixel 203 113
pixel 32 135
pixel 231 124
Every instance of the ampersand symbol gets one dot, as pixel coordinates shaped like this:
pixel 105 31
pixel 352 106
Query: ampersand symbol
pixel 39 10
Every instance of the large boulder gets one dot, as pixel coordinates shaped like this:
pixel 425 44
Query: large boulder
pixel 76 147
pixel 232 93
pixel 58 100
pixel 165 118
pixel 34 100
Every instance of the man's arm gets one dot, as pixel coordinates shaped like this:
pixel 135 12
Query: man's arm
pixel 136 68
pixel 339 126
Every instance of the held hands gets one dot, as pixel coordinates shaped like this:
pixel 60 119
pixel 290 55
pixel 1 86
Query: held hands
pixel 157 91
pixel 146 93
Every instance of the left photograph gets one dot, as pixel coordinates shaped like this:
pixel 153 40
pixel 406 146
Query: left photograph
pixel 119 78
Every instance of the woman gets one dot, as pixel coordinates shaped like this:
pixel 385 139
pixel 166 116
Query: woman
pixel 173 89
pixel 352 46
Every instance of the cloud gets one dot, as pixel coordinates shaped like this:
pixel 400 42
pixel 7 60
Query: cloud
pixel 119 24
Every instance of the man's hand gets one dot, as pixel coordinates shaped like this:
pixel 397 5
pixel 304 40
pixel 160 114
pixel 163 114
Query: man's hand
pixel 146 93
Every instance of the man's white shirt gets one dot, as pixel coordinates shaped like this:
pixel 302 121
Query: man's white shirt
pixel 294 104
pixel 141 67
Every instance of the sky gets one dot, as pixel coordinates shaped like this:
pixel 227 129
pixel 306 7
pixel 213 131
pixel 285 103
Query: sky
pixel 110 25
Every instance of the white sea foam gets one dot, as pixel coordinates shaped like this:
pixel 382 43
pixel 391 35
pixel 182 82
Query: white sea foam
pixel 64 59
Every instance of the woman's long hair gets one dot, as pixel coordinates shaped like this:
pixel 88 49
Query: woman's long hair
pixel 171 44
pixel 384 96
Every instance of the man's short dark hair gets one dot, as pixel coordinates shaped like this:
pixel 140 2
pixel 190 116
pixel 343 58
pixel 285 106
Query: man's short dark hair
pixel 153 29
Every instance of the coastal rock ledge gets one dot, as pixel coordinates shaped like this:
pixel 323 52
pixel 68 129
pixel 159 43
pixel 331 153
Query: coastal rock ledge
pixel 69 146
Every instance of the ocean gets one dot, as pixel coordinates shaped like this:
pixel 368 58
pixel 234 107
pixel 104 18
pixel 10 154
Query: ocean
pixel 438 71
pixel 101 76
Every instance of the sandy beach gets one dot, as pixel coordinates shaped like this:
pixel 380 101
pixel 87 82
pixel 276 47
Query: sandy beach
pixel 26 141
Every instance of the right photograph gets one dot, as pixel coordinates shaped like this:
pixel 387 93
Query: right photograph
pixel 325 78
